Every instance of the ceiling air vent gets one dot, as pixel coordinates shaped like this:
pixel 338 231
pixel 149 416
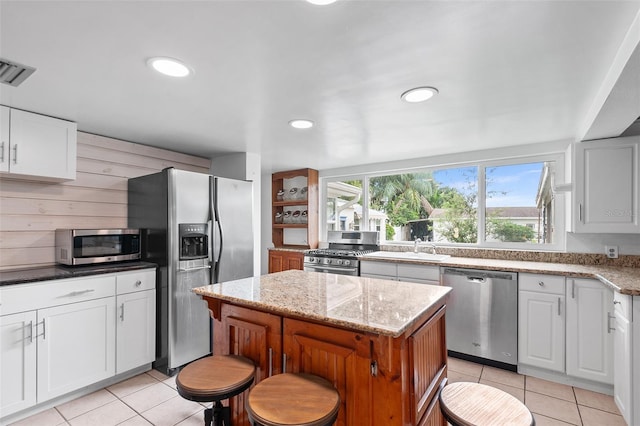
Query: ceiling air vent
pixel 12 73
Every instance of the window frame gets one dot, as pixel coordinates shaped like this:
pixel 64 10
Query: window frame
pixel 558 211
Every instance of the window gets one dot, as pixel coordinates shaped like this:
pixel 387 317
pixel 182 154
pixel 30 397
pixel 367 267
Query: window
pixel 344 205
pixel 492 204
pixel 512 213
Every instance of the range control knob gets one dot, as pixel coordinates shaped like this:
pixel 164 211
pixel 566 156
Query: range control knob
pixel 338 261
pixel 346 263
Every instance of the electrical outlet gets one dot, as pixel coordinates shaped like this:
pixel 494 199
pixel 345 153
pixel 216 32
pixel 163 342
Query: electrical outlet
pixel 611 251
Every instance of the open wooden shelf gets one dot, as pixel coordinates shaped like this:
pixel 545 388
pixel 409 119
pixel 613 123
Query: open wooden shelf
pixel 279 182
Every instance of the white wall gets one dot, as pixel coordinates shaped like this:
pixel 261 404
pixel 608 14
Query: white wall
pixel 266 237
pixel 594 243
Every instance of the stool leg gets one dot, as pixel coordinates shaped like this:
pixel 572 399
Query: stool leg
pixel 226 416
pixel 208 416
pixel 218 414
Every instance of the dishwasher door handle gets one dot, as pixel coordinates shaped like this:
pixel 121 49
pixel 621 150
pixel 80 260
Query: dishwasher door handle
pixel 478 280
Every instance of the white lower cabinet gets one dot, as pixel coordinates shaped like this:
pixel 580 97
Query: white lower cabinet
pixel 17 362
pixel 136 319
pixel 622 356
pixel 589 330
pixel 415 273
pixel 383 270
pixel 541 321
pixel 60 336
pixel 76 346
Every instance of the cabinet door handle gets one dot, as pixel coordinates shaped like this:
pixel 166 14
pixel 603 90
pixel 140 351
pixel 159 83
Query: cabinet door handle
pixel 580 212
pixel 270 362
pixel 80 293
pixel 122 312
pixel 2 152
pixel 30 331
pixel 15 154
pixel 559 303
pixel 573 289
pixel 617 302
pixel 284 363
pixel 44 330
pixel 609 328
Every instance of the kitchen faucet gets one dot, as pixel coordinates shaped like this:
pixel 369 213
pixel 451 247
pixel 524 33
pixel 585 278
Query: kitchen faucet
pixel 433 249
pixel 415 244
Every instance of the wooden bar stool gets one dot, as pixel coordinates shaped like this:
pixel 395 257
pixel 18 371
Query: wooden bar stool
pixel 213 379
pixel 293 399
pixel 474 404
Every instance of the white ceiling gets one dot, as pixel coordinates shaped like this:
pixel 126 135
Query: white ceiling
pixel 509 73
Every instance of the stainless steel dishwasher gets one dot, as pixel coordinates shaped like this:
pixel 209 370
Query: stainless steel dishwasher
pixel 482 316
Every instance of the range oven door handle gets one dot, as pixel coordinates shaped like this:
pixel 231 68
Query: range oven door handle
pixel 315 268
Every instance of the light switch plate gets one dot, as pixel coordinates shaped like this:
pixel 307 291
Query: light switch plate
pixel 611 251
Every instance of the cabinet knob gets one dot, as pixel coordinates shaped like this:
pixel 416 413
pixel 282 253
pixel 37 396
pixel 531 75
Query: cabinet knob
pixel 541 283
pixel 138 283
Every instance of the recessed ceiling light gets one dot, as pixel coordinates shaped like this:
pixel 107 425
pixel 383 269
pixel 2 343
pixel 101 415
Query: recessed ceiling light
pixel 321 2
pixel 419 94
pixel 301 124
pixel 169 66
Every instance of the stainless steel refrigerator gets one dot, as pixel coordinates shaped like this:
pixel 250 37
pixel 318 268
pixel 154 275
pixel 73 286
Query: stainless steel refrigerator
pixel 199 230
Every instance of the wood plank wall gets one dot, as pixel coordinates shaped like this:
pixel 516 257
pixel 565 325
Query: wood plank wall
pixel 30 211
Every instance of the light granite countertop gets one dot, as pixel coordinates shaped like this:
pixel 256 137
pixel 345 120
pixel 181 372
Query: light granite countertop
pixel 377 306
pixel 625 280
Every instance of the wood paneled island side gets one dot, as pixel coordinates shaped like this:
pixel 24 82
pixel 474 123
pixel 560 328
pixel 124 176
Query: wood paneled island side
pixel 381 343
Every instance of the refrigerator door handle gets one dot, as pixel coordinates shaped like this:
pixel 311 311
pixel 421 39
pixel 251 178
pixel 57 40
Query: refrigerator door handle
pixel 220 246
pixel 215 217
pixel 211 221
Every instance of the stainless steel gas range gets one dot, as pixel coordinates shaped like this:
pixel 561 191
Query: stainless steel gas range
pixel 341 257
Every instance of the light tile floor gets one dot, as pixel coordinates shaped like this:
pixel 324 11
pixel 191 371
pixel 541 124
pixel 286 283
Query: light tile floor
pixel 151 398
pixel 552 404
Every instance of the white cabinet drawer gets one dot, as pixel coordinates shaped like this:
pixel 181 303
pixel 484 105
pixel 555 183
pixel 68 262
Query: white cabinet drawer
pixel 421 272
pixel 379 268
pixel 129 282
pixel 27 297
pixel 622 305
pixel 541 283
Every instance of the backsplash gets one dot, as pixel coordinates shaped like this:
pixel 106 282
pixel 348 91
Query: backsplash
pixel 30 211
pixel 529 256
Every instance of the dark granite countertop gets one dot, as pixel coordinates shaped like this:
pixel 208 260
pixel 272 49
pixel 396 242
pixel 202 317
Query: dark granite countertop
pixel 59 272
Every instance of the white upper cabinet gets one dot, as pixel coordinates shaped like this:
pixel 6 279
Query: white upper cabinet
pixel 5 114
pixel 35 145
pixel 607 186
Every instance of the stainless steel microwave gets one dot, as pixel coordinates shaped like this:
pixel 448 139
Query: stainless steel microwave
pixel 88 246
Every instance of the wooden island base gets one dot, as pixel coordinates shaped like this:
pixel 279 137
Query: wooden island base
pixel 382 380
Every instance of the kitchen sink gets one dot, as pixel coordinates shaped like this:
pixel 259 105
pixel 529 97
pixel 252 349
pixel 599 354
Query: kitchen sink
pixel 409 255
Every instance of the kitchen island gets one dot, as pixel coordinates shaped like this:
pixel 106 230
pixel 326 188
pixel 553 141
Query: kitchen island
pixel 381 343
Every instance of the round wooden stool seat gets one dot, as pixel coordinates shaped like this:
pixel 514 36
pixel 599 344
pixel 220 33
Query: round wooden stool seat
pixel 474 404
pixel 293 399
pixel 213 379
